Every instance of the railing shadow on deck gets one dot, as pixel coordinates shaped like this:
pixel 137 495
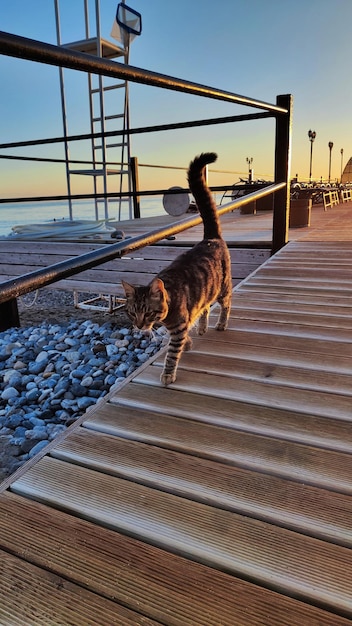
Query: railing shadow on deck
pixel 36 51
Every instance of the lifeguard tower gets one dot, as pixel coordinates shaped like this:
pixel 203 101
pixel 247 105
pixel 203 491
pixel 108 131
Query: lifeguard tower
pixel 108 161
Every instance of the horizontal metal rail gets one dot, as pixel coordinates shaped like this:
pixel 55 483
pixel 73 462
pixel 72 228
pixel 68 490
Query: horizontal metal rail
pixel 117 194
pixel 11 289
pixel 32 50
pixel 143 129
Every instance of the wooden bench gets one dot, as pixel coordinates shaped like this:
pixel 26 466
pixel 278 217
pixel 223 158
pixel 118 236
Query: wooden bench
pixel 104 281
pixel 346 195
pixel 330 199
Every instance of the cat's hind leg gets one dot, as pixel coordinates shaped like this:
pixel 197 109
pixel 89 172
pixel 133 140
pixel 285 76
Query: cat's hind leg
pixel 188 344
pixel 203 321
pixel 225 307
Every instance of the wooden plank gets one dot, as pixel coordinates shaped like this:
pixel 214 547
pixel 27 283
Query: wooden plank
pixel 302 292
pixel 285 424
pixel 280 302
pixel 340 287
pixel 256 392
pixel 142 272
pixel 84 286
pixel 52 249
pixel 284 315
pixel 112 277
pixel 263 335
pixel 49 247
pixel 238 348
pixel 30 595
pixel 290 425
pixel 295 505
pixel 137 267
pixel 270 373
pixel 323 274
pixel 310 569
pixel 336 334
pixel 32 258
pixel 296 296
pixel 23 263
pixel 143 578
pixel 322 244
pixel 321 468
pixel 312 261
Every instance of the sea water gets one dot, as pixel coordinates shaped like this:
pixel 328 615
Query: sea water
pixel 14 214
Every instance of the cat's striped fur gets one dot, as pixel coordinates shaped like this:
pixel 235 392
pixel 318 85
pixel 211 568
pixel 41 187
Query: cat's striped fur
pixel 184 291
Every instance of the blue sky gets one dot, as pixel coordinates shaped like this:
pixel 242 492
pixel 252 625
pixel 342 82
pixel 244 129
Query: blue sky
pixel 260 49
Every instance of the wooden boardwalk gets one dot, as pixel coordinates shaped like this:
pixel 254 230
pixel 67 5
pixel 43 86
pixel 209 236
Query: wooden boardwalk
pixel 223 500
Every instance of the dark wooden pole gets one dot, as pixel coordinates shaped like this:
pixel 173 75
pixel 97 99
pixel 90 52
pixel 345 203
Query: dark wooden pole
pixel 135 187
pixel 282 173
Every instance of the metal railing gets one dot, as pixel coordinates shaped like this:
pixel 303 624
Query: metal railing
pixel 21 47
pixel 11 289
pixel 32 50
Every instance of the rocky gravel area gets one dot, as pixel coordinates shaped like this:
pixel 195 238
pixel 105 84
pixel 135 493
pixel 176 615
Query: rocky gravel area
pixel 57 364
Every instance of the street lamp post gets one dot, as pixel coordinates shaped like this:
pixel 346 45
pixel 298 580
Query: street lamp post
pixel 312 135
pixel 331 145
pixel 341 152
pixel 249 160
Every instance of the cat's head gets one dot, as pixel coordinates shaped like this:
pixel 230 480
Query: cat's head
pixel 146 305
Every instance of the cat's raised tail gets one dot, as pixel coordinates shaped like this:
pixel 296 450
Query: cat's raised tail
pixel 203 196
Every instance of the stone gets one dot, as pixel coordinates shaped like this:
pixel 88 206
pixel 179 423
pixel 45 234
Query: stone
pixel 55 429
pixel 38 447
pixel 9 393
pixel 63 371
pixel 87 381
pixel 85 402
pixel 37 433
pixel 37 366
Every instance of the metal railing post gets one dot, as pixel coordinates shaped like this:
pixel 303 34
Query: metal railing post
pixel 9 316
pixel 282 173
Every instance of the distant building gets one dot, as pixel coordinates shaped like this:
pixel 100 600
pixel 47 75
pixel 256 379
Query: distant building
pixel 347 172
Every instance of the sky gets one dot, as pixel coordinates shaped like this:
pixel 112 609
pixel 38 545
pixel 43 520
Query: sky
pixel 258 49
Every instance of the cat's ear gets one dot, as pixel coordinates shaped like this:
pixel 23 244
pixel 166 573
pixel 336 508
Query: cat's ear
pixel 129 289
pixel 157 287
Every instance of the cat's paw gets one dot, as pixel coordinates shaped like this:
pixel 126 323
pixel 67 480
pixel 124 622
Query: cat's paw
pixel 167 379
pixel 220 326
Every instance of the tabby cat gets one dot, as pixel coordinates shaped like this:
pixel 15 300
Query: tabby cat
pixel 184 291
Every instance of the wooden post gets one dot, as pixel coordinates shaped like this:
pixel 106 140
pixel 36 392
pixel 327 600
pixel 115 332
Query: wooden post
pixel 282 173
pixel 135 187
pixel 9 314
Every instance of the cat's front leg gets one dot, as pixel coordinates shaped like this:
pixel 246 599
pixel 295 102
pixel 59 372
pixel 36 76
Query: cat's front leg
pixel 223 318
pixel 178 342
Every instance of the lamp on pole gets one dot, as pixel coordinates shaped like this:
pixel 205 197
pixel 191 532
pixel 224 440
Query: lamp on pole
pixel 331 145
pixel 249 160
pixel 312 135
pixel 341 152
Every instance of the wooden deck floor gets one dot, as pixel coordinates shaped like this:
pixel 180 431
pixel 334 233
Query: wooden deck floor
pixel 248 229
pixel 224 500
